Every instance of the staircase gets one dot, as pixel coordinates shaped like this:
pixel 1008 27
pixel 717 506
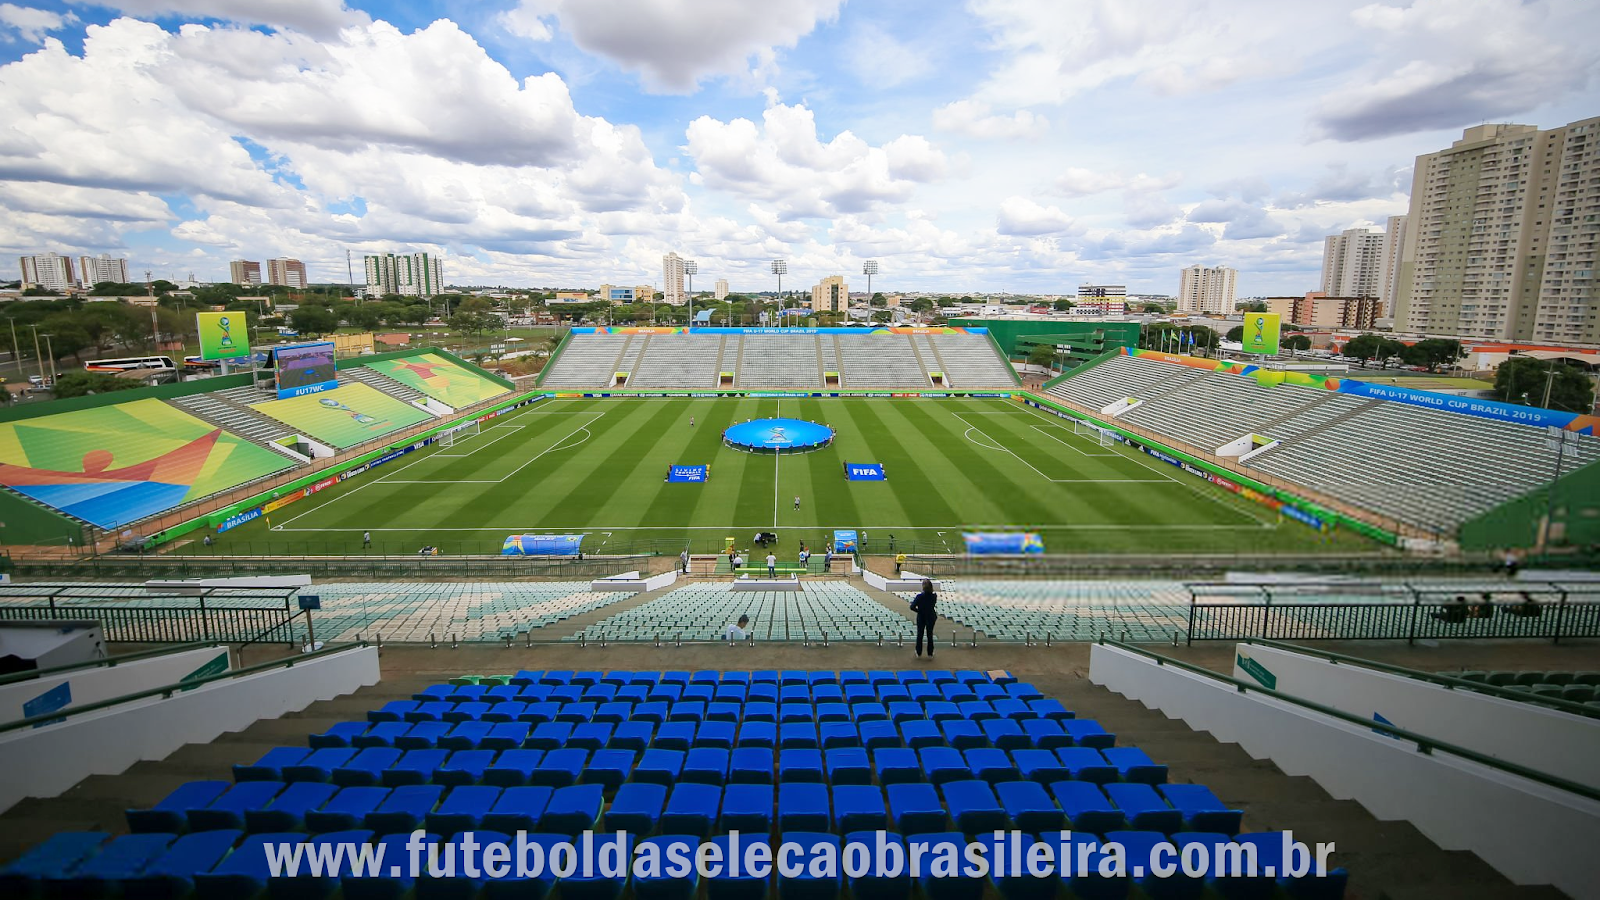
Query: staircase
pixel 235 419
pixel 383 383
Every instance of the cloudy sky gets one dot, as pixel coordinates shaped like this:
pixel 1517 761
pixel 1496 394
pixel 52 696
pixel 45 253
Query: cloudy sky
pixel 1023 145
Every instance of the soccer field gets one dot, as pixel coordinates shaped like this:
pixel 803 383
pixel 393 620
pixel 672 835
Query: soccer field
pixel 599 467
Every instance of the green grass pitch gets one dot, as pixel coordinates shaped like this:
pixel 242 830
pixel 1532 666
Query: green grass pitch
pixel 599 467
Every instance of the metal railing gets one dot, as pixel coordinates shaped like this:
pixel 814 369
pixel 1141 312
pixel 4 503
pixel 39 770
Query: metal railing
pixel 166 692
pixel 1423 743
pixel 104 662
pixel 1388 621
pixel 1446 681
pixel 170 624
pixel 410 566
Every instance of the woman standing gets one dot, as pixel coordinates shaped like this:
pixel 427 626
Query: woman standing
pixel 923 606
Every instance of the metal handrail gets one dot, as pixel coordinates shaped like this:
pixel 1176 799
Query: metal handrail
pixel 166 691
pixel 1424 743
pixel 108 661
pixel 1448 681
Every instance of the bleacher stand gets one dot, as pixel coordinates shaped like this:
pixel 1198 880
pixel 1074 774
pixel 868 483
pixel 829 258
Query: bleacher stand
pixel 700 612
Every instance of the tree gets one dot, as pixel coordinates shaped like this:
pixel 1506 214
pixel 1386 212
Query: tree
pixel 1063 305
pixel 921 304
pixel 1253 306
pixel 367 316
pixel 1523 379
pixel 1154 308
pixel 1236 333
pixel 1042 355
pixel 1372 346
pixel 1296 342
pixel 472 323
pixel 78 382
pixel 878 299
pixel 314 320
pixel 1433 353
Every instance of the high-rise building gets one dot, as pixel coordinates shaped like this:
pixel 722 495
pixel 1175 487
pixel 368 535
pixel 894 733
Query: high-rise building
pixel 1394 238
pixel 1208 289
pixel 94 269
pixel 1110 299
pixel 721 291
pixel 1352 263
pixel 831 295
pixel 50 271
pixel 409 275
pixel 1318 310
pixel 672 280
pixel 287 272
pixel 1501 240
pixel 244 272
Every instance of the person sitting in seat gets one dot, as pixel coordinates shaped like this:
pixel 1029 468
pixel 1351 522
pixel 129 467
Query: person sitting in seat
pixel 1454 613
pixel 1528 608
pixel 1485 607
pixel 737 631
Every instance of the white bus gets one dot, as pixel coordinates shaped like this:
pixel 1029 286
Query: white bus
pixel 130 363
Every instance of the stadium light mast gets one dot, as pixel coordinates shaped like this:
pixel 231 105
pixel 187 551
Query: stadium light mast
pixel 869 269
pixel 689 268
pixel 780 268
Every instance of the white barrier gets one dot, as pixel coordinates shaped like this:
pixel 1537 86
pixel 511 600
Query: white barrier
pixel 746 583
pixel 1550 741
pixel 632 583
pixel 1531 833
pixel 91 685
pixel 45 761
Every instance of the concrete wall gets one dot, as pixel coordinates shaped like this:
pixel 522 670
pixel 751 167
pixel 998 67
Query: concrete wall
pixel 105 682
pixel 1549 741
pixel 1531 833
pixel 44 762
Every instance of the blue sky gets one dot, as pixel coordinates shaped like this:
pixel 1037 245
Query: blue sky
pixel 1022 145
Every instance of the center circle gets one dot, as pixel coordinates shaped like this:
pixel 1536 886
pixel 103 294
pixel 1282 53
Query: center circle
pixel 775 435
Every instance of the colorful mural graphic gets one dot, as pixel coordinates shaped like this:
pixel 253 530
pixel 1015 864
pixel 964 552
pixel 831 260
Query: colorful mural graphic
pixel 345 416
pixel 441 379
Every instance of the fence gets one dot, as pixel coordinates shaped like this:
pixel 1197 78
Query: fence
pixel 1182 566
pixel 171 624
pixel 134 565
pixel 1417 620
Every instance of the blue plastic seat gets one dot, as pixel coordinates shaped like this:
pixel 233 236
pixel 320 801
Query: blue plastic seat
pixel 897 765
pixel 659 766
pixel 271 764
pixel 920 733
pixel 288 809
pixel 1144 808
pixel 875 884
pixel 893 693
pixel 517 809
pixel 340 734
pixel 228 810
pixel 667 694
pixel 1005 734
pixel 800 765
pixel 1201 809
pixel 505 736
pixel 942 764
pixel 834 735
pixel 916 808
pixel 96 876
pixel 577 713
pixel 1017 884
pixel 974 807
pixel 1086 764
pixel 803 807
pixel 423 736
pixel 1041 766
pixel 566 693
pixel 1086 806
pixel 869 712
pixel 1139 847
pixel 758 734
pixel 171 875
pixel 501 693
pixel 1310 886
pixel 367 767
pixel 760 711
pixel 963 885
pixel 171 814
pixel 1030 807
pixel 692 810
pixel 345 810
pixel 848 765
pixel 632 735
pixel 833 711
pixel 808 884
pixel 379 734
pixel 731 883
pixel 456 882
pixel 589 736
pixel 393 711
pixel 957 693
pixel 940 711
pixel 559 768
pixel 798 736
pixel 724 710
pixel 463 809
pixel 686 710
pixel 852 676
pixel 244 872
pixel 539 712
pixel 904 710
pixel 1134 764
pixel 1050 709
pixel 720 735
pixel 1046 734
pixel 706 765
pixel 416 767
pixel 977 711
pixel 600 693
pixel 1088 733
pixel 794 678
pixel 512 768
pixel 750 765
pixel 608 768
pixel 464 767
pixel 878 735
pixel 962 734
pixel 636 808
pixel 654 712
pixel 1015 710
pixel 466 712
pixel 404 808
pixel 51 858
pixel 573 810
pixel 674 736
pixel 614 712
pixel 747 808
pixel 666 884
pixel 429 712
pixel 859 807
pixel 465 693
pixel 556 677
pixel 504 710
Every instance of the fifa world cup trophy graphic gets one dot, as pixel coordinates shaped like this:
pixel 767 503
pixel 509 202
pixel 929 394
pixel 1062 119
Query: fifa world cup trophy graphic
pixel 359 417
pixel 225 325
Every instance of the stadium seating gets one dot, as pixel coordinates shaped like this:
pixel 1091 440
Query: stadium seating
pixel 967 361
pixel 701 612
pixel 1066 610
pixel 1374 454
pixel 877 361
pixel 679 361
pixel 588 360
pixel 804 795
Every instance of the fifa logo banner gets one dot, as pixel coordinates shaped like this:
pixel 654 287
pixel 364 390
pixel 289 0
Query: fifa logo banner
pixel 223 335
pixel 864 472
pixel 1261 333
pixel 688 474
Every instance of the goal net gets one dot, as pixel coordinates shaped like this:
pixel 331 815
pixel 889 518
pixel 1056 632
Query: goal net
pixel 449 438
pixel 1081 427
pixel 1106 440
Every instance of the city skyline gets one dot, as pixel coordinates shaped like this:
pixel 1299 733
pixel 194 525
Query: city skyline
pixel 1005 145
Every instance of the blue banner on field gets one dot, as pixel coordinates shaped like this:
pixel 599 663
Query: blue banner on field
pixel 985 542
pixel 844 542
pixel 542 545
pixel 681 474
pixel 864 472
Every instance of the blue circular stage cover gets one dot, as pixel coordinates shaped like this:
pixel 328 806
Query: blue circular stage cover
pixel 778 434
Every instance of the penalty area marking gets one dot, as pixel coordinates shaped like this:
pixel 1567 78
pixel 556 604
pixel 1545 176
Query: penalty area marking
pixel 994 445
pixel 559 445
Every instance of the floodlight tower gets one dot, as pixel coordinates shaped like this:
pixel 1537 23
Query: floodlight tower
pixel 689 268
pixel 869 269
pixel 780 268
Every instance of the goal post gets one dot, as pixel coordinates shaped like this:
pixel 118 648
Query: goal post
pixel 449 438
pixel 1079 426
pixel 1107 440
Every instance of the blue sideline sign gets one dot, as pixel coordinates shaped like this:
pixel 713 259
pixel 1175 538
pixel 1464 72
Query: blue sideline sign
pixel 864 472
pixel 691 474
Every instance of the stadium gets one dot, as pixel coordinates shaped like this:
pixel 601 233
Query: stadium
pixel 1182 602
